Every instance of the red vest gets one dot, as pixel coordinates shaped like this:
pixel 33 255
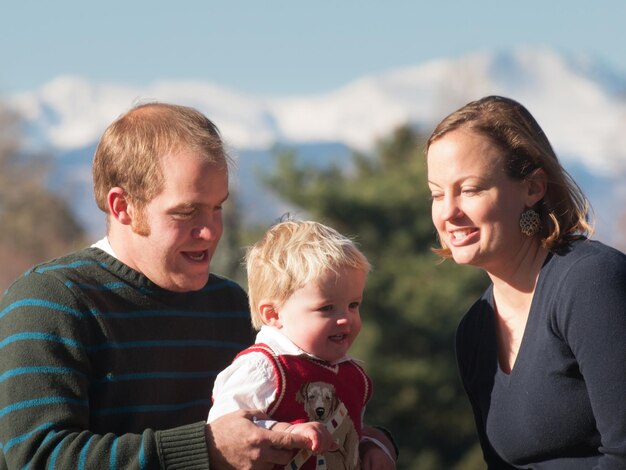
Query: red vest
pixel 309 389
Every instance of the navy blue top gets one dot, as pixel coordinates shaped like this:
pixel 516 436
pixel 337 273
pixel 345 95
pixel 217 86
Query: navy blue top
pixel 563 406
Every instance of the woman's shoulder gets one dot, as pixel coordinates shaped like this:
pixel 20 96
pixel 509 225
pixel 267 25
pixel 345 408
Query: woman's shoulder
pixel 588 255
pixel 583 277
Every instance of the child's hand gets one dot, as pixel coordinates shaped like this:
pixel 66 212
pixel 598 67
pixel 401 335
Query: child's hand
pixel 377 451
pixel 374 458
pixel 321 440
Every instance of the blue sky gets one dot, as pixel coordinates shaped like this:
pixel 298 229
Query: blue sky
pixel 283 47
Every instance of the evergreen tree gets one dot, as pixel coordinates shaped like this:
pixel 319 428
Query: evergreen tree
pixel 228 258
pixel 413 301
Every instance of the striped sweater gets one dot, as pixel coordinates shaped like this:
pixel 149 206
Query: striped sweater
pixel 101 368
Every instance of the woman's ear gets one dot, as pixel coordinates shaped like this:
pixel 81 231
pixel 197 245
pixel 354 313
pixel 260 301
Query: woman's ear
pixel 119 206
pixel 537 184
pixel 269 314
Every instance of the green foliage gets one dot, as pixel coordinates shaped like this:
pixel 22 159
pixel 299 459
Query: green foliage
pixel 228 258
pixel 412 303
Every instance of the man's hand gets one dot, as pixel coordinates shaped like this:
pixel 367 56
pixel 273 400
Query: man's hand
pixel 236 443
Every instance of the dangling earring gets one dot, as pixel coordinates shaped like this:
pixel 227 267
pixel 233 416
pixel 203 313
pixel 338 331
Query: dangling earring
pixel 530 223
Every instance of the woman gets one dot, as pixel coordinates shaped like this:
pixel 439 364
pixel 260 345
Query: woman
pixel 542 354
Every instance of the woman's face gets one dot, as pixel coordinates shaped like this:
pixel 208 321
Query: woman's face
pixel 475 206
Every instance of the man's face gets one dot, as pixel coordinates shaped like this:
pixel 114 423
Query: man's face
pixel 174 236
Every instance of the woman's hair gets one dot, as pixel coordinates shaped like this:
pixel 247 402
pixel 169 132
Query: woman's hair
pixel 564 210
pixel 291 254
pixel 131 149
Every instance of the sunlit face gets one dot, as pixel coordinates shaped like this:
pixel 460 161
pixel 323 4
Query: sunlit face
pixel 322 318
pixel 178 231
pixel 475 206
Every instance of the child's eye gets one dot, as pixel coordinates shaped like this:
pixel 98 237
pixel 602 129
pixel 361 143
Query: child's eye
pixel 325 308
pixel 354 305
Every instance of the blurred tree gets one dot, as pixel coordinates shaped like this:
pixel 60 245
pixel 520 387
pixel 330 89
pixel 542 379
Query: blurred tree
pixel 412 303
pixel 228 258
pixel 35 224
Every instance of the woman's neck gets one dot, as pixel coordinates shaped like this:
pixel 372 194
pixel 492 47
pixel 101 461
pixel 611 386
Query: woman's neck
pixel 513 291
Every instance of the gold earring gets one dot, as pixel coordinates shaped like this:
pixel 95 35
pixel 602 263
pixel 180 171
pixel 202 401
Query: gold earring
pixel 530 223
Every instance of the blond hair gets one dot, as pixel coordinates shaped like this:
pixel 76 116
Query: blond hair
pixel 131 149
pixel 291 254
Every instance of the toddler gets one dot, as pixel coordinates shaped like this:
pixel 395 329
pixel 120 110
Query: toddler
pixel 305 286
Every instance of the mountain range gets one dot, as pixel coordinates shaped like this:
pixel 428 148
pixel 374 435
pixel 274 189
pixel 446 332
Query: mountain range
pixel 579 101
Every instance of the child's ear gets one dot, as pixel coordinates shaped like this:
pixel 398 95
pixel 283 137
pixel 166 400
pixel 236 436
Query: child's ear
pixel 269 314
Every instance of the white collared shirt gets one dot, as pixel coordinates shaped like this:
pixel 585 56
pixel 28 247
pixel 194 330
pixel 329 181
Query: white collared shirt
pixel 105 246
pixel 248 383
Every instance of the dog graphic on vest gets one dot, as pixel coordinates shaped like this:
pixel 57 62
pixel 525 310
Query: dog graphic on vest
pixel 321 404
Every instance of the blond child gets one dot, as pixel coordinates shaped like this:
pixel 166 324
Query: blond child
pixel 305 287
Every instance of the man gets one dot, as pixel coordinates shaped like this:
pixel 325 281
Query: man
pixel 108 355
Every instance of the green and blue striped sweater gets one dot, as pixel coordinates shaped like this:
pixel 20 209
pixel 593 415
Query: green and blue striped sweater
pixel 101 368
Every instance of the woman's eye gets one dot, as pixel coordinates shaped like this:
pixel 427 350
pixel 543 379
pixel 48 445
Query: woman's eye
pixel 470 191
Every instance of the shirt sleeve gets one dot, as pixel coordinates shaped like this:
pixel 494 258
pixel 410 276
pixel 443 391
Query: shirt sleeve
pixel 247 384
pixel 592 315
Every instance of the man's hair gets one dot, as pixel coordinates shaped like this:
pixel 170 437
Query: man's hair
pixel 131 149
pixel 293 253
pixel 564 210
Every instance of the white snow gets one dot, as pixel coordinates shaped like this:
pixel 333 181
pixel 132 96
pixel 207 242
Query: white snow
pixel 579 102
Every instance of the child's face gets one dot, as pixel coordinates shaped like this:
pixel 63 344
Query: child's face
pixel 322 318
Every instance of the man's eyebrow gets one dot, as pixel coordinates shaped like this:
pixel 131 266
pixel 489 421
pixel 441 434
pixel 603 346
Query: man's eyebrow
pixel 194 205
pixel 183 206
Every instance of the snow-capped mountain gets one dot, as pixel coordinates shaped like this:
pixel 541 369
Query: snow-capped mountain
pixel 580 103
